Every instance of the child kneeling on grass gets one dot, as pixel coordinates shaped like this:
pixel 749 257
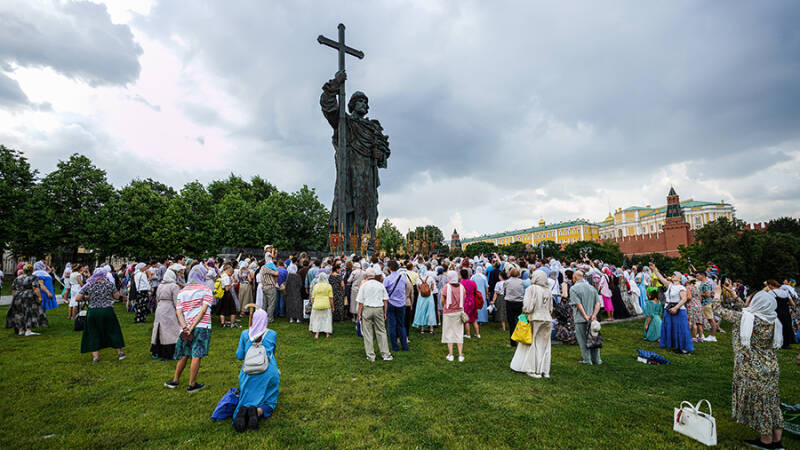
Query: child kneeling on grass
pixel 259 377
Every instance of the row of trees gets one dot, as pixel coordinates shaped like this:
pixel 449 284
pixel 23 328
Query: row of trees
pixel 75 207
pixel 393 241
pixel 606 251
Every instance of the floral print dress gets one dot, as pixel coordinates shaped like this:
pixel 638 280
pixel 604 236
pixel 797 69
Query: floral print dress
pixel 693 308
pixel 25 311
pixel 755 400
pixel 338 297
pixel 564 329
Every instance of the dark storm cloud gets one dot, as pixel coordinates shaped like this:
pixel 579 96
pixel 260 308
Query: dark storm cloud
pixel 76 39
pixel 11 95
pixel 682 81
pixel 524 108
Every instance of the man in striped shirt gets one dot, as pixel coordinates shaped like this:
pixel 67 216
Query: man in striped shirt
pixel 194 315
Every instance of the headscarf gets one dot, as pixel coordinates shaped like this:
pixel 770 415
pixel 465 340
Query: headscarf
pixel 211 263
pixel 197 275
pixel 99 274
pixel 452 277
pixel 259 325
pixel 39 265
pixel 242 264
pixel 140 266
pixel 169 277
pixel 20 265
pixel 322 277
pixel 762 306
pixel 67 271
pixel 40 270
pixel 292 268
pixel 538 294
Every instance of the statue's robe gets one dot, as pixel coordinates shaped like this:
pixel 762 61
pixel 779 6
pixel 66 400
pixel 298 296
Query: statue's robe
pixel 367 151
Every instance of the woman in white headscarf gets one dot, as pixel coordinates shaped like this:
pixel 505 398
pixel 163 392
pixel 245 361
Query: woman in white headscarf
pixel 534 359
pixel 755 399
pixel 356 278
pixel 166 328
pixel 294 294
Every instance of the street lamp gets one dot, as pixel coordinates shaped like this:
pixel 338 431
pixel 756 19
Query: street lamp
pixel 541 247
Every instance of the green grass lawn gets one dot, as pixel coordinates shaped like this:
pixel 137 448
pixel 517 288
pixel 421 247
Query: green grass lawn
pixel 331 396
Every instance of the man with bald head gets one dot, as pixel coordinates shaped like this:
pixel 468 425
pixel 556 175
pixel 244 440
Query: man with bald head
pixel 586 302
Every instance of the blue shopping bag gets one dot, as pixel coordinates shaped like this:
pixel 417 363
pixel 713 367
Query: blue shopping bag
pixel 226 406
pixel 358 329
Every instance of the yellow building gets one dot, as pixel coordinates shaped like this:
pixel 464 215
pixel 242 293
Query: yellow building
pixel 637 220
pixel 561 233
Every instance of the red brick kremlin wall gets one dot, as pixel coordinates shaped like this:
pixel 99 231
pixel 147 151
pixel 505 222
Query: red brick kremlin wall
pixel 667 241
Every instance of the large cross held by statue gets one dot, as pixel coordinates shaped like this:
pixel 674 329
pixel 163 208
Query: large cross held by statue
pixel 342 130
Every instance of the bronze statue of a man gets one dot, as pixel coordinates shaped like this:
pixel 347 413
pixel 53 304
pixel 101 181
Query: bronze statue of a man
pixel 367 150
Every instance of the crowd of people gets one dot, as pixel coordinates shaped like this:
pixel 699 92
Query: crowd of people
pixel 391 299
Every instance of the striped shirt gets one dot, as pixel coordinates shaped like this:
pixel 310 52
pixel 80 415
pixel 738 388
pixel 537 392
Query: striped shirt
pixel 190 303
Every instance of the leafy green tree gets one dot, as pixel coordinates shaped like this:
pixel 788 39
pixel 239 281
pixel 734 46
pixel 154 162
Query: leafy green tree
pixel 76 191
pixel 606 251
pixel 310 228
pixel 192 217
pixel 477 248
pixel 391 238
pixel 137 229
pixel 235 223
pixel 788 225
pixel 431 233
pixel 262 189
pixel 234 183
pixel 16 189
pixel 275 220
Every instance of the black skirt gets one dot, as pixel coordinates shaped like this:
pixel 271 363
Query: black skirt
pixel 226 305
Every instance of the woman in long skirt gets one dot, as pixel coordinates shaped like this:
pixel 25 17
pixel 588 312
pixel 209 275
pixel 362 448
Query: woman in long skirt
pixel 355 279
pixel 534 359
pixel 499 300
pixel 245 286
pixel 294 295
pixel 469 304
pixel 425 314
pixel 483 287
pixel 452 296
pixel 321 320
pixel 25 312
pixel 337 285
pixel 562 311
pixel 166 328
pixel 675 332
pixel 755 397
pixel 102 328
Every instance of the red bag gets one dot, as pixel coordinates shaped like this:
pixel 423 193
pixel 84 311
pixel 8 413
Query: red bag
pixel 478 300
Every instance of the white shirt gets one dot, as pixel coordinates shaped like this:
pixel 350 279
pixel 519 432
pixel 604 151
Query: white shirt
pixel 674 294
pixel 225 280
pixel 142 283
pixel 372 294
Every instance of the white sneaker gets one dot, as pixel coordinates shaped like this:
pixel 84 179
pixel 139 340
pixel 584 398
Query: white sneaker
pixel 478 336
pixel 460 359
pixel 534 375
pixel 710 339
pixel 388 358
pixel 468 337
pixel 450 358
pixel 31 333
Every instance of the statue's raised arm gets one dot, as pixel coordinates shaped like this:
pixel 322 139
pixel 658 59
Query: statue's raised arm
pixel 329 100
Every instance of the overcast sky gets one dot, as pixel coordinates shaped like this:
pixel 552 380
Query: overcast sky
pixel 498 113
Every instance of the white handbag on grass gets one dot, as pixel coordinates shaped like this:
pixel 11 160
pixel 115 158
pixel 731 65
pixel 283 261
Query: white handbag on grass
pixel 700 426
